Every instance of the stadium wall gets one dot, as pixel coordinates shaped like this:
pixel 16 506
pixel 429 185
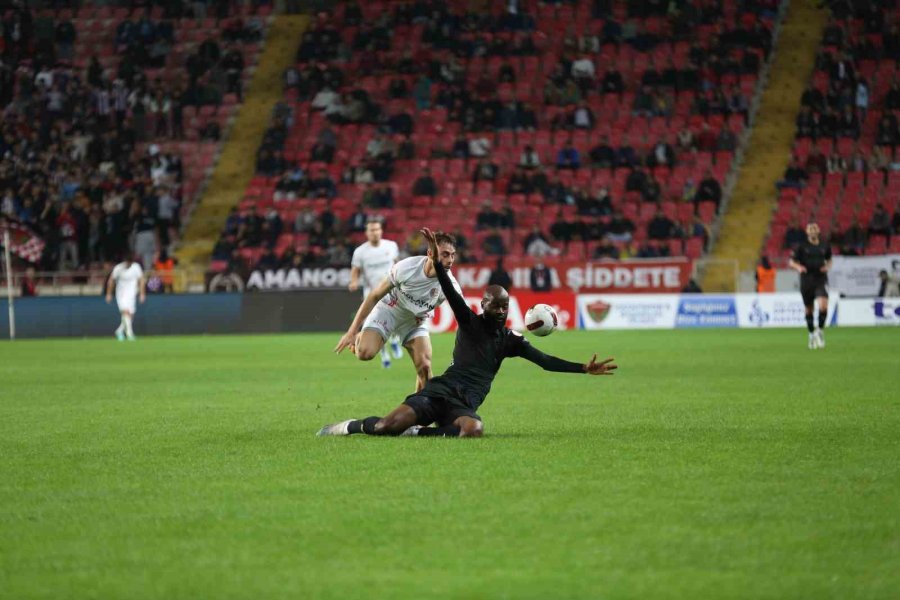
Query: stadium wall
pixel 184 314
pixel 332 310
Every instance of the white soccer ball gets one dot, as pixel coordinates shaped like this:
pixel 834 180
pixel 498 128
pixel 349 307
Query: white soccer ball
pixel 541 319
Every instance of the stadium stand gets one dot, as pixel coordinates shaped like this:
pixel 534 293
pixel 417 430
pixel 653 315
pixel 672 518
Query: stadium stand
pixel 588 124
pixel 112 118
pixel 845 170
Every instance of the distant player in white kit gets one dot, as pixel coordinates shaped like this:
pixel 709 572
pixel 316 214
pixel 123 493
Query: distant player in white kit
pixel 371 263
pixel 127 280
pixel 399 306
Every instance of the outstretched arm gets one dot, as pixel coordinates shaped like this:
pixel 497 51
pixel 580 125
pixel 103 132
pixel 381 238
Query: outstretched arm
pixel 375 296
pixel 559 365
pixel 458 304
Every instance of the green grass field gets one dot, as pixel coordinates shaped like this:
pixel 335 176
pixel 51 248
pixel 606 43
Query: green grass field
pixel 715 464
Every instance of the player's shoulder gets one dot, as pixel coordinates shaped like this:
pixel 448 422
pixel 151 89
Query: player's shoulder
pixel 515 338
pixel 407 268
pixel 411 262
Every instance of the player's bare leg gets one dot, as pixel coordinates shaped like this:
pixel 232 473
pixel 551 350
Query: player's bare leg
pixel 464 427
pixel 129 330
pixel 125 330
pixel 395 423
pixel 811 327
pixel 469 427
pixel 368 344
pixel 822 301
pixel 120 330
pixel 419 349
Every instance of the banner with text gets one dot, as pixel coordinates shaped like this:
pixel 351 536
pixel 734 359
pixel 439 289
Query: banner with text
pixel 702 310
pixel 519 303
pixel 627 311
pixel 298 279
pixel 858 275
pixel 624 276
pixel 777 310
pixel 868 312
pixel 627 276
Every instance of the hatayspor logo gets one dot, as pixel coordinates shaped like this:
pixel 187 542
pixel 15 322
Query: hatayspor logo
pixel 757 315
pixel 598 310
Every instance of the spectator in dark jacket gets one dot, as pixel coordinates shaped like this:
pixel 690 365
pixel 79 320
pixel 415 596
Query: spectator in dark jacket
pixel 541 278
pixel 425 185
pixel 500 276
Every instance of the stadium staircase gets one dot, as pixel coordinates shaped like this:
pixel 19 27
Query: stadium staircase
pixel 746 221
pixel 237 163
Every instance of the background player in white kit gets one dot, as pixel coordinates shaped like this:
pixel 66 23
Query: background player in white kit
pixel 127 280
pixel 399 305
pixel 370 264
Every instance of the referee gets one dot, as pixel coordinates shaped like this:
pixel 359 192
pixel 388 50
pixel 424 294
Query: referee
pixel 812 259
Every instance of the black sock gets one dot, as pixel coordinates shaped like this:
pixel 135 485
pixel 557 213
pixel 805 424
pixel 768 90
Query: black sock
pixel 445 431
pixel 822 316
pixel 809 323
pixel 366 425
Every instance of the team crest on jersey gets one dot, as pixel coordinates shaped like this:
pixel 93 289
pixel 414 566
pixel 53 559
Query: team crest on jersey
pixel 434 292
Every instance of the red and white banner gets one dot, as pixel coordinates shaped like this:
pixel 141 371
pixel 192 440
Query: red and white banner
pixel 638 276
pixel 23 242
pixel 519 303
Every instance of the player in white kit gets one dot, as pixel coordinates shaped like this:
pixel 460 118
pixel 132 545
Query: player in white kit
pixel 399 305
pixel 127 280
pixel 370 264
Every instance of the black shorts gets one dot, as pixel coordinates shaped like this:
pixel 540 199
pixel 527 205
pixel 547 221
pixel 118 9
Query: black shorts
pixel 812 289
pixel 438 410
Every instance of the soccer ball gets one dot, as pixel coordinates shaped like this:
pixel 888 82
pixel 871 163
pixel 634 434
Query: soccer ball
pixel 541 319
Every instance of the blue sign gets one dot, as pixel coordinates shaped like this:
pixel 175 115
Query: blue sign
pixel 706 311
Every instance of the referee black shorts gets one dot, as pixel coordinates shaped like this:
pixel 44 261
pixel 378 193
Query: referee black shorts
pixel 438 410
pixel 812 289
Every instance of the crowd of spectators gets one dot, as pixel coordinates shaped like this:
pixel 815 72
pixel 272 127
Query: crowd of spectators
pixel 80 160
pixel 843 170
pixel 70 165
pixel 468 66
pixel 839 105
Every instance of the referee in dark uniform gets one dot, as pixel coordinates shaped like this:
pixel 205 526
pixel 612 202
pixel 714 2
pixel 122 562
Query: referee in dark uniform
pixel 451 400
pixel 812 259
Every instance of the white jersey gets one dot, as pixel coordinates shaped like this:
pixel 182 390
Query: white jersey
pixel 374 263
pixel 412 290
pixel 127 279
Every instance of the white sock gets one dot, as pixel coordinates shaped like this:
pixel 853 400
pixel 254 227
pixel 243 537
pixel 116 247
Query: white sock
pixel 128 330
pixel 121 328
pixel 385 355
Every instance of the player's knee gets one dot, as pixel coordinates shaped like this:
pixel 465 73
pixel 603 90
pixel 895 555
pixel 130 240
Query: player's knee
pixel 423 368
pixel 389 425
pixel 365 353
pixel 471 429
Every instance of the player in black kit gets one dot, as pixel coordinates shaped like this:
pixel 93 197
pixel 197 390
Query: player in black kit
pixel 451 400
pixel 812 259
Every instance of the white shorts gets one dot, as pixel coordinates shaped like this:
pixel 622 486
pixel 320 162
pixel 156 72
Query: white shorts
pixel 391 321
pixel 126 304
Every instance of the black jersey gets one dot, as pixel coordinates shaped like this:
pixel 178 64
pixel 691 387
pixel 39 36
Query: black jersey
pixel 481 346
pixel 813 257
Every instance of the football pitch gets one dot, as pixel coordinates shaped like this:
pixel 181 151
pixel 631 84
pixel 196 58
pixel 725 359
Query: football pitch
pixel 714 464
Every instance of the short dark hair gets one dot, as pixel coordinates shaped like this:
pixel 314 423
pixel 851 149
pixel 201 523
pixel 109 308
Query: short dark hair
pixel 444 238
